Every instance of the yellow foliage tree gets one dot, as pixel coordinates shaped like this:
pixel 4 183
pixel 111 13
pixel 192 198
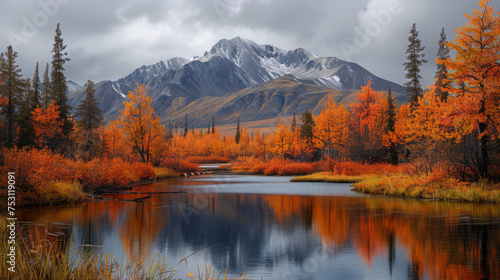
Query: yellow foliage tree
pixel 139 123
pixel 332 128
pixel 475 70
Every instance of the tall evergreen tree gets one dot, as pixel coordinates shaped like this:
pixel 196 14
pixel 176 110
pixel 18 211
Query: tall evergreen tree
pixel 237 137
pixel 59 87
pixel 90 119
pixel 307 127
pixel 294 122
pixel 415 59
pixel 12 87
pixel 186 126
pixel 35 86
pixel 213 124
pixel 46 95
pixel 24 118
pixel 441 81
pixel 391 122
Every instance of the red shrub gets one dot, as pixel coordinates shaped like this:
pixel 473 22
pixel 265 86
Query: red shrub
pixel 296 168
pixel 180 166
pixel 143 170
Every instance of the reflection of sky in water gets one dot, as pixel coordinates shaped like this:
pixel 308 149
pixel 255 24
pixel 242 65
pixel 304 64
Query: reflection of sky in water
pixel 324 231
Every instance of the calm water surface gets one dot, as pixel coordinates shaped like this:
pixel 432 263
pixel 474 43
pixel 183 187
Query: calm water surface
pixel 276 229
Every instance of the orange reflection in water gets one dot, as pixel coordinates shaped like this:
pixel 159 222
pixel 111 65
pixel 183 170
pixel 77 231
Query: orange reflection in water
pixel 440 238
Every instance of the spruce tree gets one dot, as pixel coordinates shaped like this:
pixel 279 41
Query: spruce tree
pixel 90 119
pixel 443 54
pixel 237 137
pixel 186 126
pixel 294 122
pixel 46 95
pixel 213 124
pixel 35 86
pixel 24 118
pixel 307 127
pixel 13 86
pixel 391 122
pixel 415 59
pixel 58 85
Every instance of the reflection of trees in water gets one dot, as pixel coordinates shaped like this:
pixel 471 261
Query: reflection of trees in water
pixel 441 240
pixel 241 229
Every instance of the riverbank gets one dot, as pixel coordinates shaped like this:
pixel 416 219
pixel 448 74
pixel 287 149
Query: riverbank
pixel 424 187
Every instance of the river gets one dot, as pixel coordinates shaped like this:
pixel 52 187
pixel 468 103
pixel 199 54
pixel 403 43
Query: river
pixel 275 229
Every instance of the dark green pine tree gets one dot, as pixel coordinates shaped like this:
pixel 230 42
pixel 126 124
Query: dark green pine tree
pixel 36 100
pixel 186 126
pixel 46 95
pixel 24 118
pixel 13 86
pixel 58 85
pixel 391 122
pixel 415 59
pixel 213 124
pixel 307 127
pixel 237 137
pixel 90 119
pixel 441 81
pixel 294 122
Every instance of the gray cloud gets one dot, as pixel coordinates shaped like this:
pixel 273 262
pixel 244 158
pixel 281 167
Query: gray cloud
pixel 109 39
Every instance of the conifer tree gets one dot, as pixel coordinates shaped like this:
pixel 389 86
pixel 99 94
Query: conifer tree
pixel 238 132
pixel 443 53
pixel 294 122
pixel 90 119
pixel 24 118
pixel 186 126
pixel 415 59
pixel 306 129
pixel 12 88
pixel 46 96
pixel 213 124
pixel 58 85
pixel 35 86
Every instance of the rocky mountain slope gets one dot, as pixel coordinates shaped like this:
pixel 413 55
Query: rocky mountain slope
pixel 239 78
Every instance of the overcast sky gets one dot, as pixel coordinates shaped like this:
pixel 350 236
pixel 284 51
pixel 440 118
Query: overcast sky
pixel 107 39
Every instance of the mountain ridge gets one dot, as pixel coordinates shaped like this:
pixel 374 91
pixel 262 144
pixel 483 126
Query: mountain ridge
pixel 230 69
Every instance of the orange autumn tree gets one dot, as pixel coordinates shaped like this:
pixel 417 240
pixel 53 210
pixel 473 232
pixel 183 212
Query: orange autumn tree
pixel 369 118
pixel 139 123
pixel 282 140
pixel 332 128
pixel 424 132
pixel 48 126
pixel 474 109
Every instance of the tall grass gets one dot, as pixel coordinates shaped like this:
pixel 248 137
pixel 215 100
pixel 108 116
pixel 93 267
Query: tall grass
pixel 41 257
pixel 422 187
pixel 165 172
pixel 328 177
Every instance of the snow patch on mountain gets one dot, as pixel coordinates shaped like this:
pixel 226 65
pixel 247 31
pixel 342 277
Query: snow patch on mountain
pixel 116 88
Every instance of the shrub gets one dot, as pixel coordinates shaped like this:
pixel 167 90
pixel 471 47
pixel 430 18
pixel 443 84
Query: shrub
pixel 296 168
pixel 143 170
pixel 180 166
pixel 165 172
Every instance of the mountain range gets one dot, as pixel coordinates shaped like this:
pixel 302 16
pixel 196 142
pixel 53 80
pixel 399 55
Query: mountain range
pixel 239 78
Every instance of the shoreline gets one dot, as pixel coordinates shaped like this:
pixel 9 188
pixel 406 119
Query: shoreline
pixel 404 186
